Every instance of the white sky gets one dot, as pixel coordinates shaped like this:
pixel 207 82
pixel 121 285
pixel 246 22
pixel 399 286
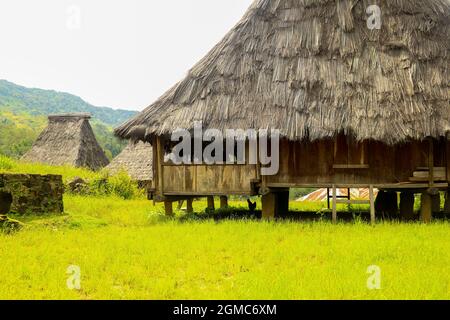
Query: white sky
pixel 121 54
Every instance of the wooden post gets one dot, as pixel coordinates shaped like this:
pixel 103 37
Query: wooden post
pixel 334 214
pixel 407 200
pixel 268 206
pixel 211 206
pixel 431 161
pixel 168 208
pixel 160 159
pixel 328 198
pixel 189 207
pixel 436 203
pixel 282 203
pixel 425 210
pixel 373 218
pixel 447 202
pixel 223 202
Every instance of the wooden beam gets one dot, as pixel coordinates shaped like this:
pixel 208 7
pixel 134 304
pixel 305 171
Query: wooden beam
pixel 334 214
pixel 168 207
pixel 223 202
pixel 268 206
pixel 448 156
pixel 282 203
pixel 159 164
pixel 407 200
pixel 436 203
pixel 189 206
pixel 431 161
pixel 351 166
pixel 373 218
pixel 211 205
pixel 447 202
pixel 426 213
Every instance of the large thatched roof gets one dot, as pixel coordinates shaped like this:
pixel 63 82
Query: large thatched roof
pixel 68 139
pixel 136 159
pixel 311 68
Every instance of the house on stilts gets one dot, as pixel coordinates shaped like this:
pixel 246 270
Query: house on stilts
pixel 68 140
pixel 357 105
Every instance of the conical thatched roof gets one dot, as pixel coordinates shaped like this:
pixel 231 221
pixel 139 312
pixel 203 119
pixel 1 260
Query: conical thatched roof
pixel 68 139
pixel 311 68
pixel 136 159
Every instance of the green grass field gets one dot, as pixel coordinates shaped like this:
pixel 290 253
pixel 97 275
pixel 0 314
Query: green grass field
pixel 126 249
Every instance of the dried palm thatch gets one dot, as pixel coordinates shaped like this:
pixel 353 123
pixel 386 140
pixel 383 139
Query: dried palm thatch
pixel 311 68
pixel 136 159
pixel 68 140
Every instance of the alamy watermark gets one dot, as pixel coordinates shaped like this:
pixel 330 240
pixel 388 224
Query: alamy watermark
pixel 374 17
pixel 74 280
pixel 214 146
pixel 73 21
pixel 374 280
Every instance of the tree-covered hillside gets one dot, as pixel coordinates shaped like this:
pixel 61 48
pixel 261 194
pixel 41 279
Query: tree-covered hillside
pixel 19 99
pixel 23 115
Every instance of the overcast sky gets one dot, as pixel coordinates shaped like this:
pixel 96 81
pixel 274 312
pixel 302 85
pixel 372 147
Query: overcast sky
pixel 116 53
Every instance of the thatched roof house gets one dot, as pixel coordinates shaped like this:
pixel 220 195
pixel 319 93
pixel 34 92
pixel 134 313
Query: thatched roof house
pixel 68 140
pixel 354 104
pixel 136 159
pixel 313 68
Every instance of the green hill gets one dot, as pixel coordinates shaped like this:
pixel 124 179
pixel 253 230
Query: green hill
pixel 23 115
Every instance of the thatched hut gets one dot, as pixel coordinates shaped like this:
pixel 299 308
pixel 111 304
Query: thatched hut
pixel 136 159
pixel 68 140
pixel 356 106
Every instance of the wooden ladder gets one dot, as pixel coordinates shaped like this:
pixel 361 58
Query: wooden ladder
pixel 337 201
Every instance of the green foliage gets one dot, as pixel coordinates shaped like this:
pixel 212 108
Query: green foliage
pixel 37 102
pixel 6 163
pixel 98 183
pixel 120 185
pixel 19 131
pixel 23 116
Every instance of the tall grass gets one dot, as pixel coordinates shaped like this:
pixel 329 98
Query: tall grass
pixel 100 183
pixel 127 249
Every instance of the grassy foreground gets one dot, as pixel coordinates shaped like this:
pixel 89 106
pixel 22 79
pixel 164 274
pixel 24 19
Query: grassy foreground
pixel 127 250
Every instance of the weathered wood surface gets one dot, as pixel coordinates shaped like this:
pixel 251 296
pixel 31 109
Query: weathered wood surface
pixel 204 179
pixel 223 202
pixel 407 200
pixel 320 163
pixel 426 212
pixel 268 206
pixel 376 163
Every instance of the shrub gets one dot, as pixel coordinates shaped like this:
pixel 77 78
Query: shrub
pixel 6 163
pixel 120 185
pixel 123 186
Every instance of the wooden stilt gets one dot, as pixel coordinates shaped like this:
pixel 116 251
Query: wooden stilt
pixel 268 206
pixel 407 200
pixel 436 203
pixel 334 214
pixel 373 218
pixel 425 211
pixel 189 207
pixel 211 206
pixel 223 202
pixel 447 202
pixel 168 208
pixel 282 203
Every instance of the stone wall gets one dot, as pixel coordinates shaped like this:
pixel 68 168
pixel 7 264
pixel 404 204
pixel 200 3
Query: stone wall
pixel 34 194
